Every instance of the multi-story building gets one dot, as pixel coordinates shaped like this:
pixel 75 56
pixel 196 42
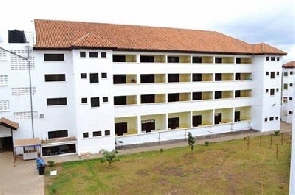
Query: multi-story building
pixel 94 85
pixel 288 83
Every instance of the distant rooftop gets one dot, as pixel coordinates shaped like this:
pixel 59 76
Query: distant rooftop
pixel 55 34
pixel 290 64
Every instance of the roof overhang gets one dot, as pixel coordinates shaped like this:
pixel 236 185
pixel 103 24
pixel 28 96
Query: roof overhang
pixel 8 123
pixel 27 142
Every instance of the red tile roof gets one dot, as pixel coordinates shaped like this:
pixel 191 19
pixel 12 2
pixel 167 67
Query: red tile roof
pixel 290 64
pixel 8 123
pixel 54 34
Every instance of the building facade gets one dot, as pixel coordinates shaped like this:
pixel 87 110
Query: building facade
pixel 96 85
pixel 288 82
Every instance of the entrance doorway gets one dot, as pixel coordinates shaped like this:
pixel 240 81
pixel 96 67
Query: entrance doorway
pixel 6 144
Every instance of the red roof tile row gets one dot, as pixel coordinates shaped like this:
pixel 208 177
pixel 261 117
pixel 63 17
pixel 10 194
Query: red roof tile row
pixel 290 64
pixel 54 34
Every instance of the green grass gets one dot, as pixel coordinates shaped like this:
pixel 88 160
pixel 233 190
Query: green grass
pixel 219 168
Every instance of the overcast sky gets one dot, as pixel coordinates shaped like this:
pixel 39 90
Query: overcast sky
pixel 253 21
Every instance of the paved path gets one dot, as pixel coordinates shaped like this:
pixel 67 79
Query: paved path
pixel 22 179
pixel 166 145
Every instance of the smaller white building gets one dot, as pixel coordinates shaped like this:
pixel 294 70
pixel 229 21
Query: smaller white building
pixel 288 83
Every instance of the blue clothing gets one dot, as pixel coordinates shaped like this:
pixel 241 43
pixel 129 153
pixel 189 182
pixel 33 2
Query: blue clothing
pixel 39 162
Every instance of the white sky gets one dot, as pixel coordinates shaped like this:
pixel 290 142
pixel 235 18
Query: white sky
pixel 192 14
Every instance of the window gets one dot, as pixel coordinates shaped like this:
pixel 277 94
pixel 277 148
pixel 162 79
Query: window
pixel 272 91
pixel 85 135
pixel 271 118
pixel 267 73
pixel 107 132
pixel 83 76
pixel 285 86
pixel 197 120
pixel 278 58
pixel 273 75
pixel 290 84
pixel 82 54
pixel 119 58
pixel 173 78
pixel 218 77
pixel 267 58
pixel 291 72
pixel 197 60
pixel 147 78
pixel 105 99
pixel 197 77
pixel 237 93
pixel 120 100
pixel 57 134
pixel 148 98
pixel 95 102
pixel 4 105
pixel 173 123
pixel 197 95
pixel 147 59
pixel 84 100
pixel 96 133
pixel 56 101
pixel 119 79
pixel 265 119
pixel 277 118
pixel 218 60
pixel 218 94
pixel 278 73
pixel 93 54
pixel 285 74
pixel 290 98
pixel 285 99
pixel 173 97
pixel 273 59
pixel 54 57
pixel 266 90
pixel 238 60
pixel 104 75
pixel 277 89
pixel 103 54
pixel 3 79
pixel 93 77
pixel 173 59
pixel 54 77
pixel 290 112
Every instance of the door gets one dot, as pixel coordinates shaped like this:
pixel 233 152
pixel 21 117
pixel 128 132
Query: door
pixel 237 116
pixel 120 128
pixel 173 123
pixel 197 120
pixel 217 118
pixel 148 125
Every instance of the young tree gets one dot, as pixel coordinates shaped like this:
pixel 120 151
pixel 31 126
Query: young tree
pixel 191 140
pixel 108 156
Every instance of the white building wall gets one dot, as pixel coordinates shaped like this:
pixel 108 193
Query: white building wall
pixel 265 106
pixel 287 94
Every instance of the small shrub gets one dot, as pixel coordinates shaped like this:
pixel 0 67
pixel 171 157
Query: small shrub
pixel 51 163
pixel 191 140
pixel 109 156
pixel 161 150
pixel 207 143
pixel 277 133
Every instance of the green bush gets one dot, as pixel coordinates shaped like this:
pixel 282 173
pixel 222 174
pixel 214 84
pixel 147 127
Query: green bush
pixel 51 163
pixel 277 133
pixel 207 143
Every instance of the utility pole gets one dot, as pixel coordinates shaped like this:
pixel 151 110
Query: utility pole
pixel 30 83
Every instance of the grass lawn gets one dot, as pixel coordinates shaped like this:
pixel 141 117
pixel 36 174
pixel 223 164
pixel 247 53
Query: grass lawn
pixel 219 168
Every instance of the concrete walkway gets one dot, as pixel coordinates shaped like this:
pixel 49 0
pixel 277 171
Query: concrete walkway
pixel 22 179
